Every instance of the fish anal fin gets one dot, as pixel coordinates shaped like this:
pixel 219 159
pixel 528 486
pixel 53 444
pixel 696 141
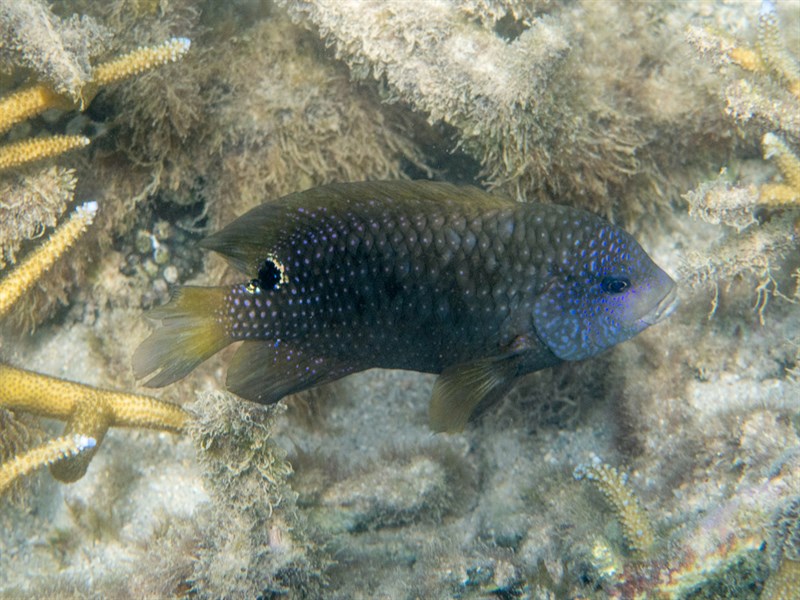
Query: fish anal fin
pixel 460 389
pixel 265 372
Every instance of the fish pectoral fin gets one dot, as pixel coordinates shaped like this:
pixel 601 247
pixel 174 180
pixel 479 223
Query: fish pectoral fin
pixel 459 390
pixel 265 372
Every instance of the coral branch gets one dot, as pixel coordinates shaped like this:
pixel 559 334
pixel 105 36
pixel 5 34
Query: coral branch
pixel 789 192
pixel 133 63
pixel 141 59
pixel 613 485
pixel 773 51
pixel 26 151
pixel 773 97
pixel 54 450
pixel 34 393
pixel 88 411
pixel 27 103
pixel 60 399
pixel 25 275
pixel 90 417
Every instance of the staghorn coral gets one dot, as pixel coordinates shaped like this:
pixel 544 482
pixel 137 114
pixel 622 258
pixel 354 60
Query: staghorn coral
pixel 88 411
pixel 718 556
pixel 38 98
pixel 773 50
pixel 32 200
pixel 784 581
pixel 21 279
pixel 138 61
pixel 20 153
pixel 636 527
pixel 60 449
pixel 531 99
pixel 767 99
pixel 26 103
pixel 789 165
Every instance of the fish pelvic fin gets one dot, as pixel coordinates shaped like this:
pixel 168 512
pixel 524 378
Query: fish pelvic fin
pixel 191 331
pixel 461 389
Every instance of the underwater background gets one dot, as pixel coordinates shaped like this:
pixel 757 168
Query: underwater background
pixel 668 466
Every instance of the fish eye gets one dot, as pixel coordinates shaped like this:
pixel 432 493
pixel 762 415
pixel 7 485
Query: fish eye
pixel 615 285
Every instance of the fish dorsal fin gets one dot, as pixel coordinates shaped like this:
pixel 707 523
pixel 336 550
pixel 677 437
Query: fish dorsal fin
pixel 459 390
pixel 264 372
pixel 246 241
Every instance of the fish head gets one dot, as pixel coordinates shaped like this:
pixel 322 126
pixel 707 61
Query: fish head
pixel 602 289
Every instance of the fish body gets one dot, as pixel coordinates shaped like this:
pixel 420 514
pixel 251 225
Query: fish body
pixel 409 275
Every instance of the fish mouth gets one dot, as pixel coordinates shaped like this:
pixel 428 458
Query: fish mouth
pixel 664 308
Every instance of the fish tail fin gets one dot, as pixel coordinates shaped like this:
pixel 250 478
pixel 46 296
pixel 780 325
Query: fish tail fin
pixel 190 332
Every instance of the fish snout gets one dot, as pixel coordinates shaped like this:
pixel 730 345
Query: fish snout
pixel 665 306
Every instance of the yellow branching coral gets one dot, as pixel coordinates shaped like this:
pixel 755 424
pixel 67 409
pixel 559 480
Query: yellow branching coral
pixel 767 96
pixel 138 61
pixel 788 163
pixel 58 449
pixel 770 55
pixel 34 201
pixel 27 103
pixel 88 411
pixel 636 527
pixel 26 151
pixel 20 280
pixel 771 94
pixel 36 99
pixel 773 51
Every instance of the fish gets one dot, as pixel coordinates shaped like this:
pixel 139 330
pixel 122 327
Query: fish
pixel 416 275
